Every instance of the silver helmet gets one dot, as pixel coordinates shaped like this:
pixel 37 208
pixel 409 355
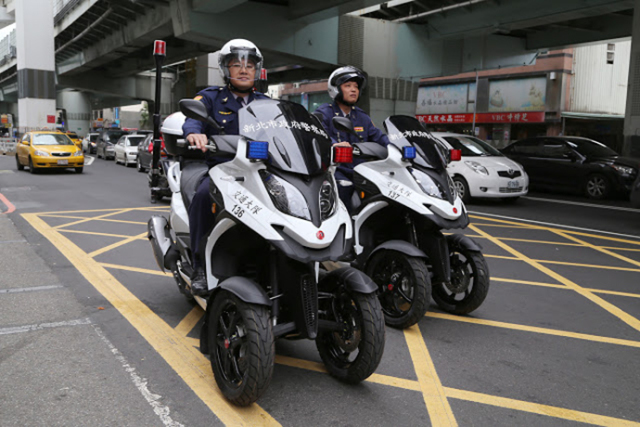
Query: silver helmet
pixel 343 75
pixel 241 49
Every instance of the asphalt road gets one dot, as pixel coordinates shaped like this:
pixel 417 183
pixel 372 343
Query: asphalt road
pixel 92 333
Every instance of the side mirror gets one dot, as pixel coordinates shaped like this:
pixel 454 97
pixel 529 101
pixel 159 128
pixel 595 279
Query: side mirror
pixel 196 110
pixel 343 124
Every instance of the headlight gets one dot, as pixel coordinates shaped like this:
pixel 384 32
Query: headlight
pixel 624 170
pixel 93 144
pixel 41 153
pixel 477 168
pixel 427 184
pixel 285 197
pixel 327 199
pixel 77 153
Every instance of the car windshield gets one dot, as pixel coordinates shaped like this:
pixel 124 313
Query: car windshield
pixel 93 137
pixel 133 141
pixel 114 135
pixel 405 131
pixel 72 135
pixel 590 148
pixel 51 139
pixel 297 141
pixel 471 146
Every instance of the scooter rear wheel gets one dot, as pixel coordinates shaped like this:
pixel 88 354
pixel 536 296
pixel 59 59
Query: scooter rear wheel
pixel 242 348
pixel 352 354
pixel 404 284
pixel 469 283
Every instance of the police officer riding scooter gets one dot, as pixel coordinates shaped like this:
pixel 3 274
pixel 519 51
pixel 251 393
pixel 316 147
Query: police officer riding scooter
pixel 240 62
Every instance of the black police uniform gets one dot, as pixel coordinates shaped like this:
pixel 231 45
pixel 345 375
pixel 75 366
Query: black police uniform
pixel 364 126
pixel 223 107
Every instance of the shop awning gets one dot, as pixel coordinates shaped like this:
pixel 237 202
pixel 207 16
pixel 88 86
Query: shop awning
pixel 591 116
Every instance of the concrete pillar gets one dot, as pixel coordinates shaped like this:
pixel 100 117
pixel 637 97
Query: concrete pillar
pixel 78 107
pixel 632 114
pixel 36 64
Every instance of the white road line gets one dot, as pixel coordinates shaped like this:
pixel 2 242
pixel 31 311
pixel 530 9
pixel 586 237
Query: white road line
pixel 550 224
pixel 141 384
pixel 88 160
pixel 33 289
pixel 590 205
pixel 30 328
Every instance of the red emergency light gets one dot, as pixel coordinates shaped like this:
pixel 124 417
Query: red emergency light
pixel 160 48
pixel 455 155
pixel 342 154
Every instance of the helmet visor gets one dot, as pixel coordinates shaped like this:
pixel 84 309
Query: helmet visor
pixel 345 77
pixel 243 57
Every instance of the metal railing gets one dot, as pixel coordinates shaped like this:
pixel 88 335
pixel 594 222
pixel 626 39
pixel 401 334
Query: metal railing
pixel 8 50
pixel 61 8
pixel 8 145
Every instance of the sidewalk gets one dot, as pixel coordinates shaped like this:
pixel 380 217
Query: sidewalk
pixel 56 367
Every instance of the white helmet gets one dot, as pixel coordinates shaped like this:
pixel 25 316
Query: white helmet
pixel 242 50
pixel 343 75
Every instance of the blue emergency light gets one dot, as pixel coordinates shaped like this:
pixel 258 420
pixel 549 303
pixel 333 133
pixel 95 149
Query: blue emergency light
pixel 257 150
pixel 409 152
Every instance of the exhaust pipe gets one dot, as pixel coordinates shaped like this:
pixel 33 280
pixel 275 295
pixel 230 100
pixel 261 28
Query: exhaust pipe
pixel 164 251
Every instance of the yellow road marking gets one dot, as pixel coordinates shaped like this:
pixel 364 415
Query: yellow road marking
pixel 94 233
pixel 520 226
pixel 117 244
pixel 470 396
pixel 185 360
pixel 622 315
pixel 82 219
pixel 550 285
pixel 511 258
pixel 102 210
pixel 194 342
pixel 535 329
pixel 536 408
pixel 190 321
pixel 135 269
pixel 616 248
pixel 570 264
pixel 599 249
pixel 440 412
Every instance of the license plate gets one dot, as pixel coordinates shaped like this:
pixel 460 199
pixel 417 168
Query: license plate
pixel 513 184
pixel 63 162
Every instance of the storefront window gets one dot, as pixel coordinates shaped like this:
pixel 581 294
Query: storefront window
pixel 317 99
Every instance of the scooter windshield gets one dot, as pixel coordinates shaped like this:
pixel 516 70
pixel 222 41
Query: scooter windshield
pixel 297 141
pixel 406 131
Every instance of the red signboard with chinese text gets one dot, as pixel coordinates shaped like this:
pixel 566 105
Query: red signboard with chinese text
pixel 511 117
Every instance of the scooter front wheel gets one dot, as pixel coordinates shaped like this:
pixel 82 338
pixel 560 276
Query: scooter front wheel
pixel 469 284
pixel 353 353
pixel 404 284
pixel 242 348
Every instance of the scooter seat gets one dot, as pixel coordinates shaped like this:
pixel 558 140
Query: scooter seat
pixel 190 177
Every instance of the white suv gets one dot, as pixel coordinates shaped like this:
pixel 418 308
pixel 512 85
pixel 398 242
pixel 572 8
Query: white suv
pixel 483 170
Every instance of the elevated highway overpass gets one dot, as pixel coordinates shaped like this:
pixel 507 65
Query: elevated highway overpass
pixel 101 46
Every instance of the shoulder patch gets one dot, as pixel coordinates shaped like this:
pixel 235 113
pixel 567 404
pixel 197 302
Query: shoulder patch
pixel 198 98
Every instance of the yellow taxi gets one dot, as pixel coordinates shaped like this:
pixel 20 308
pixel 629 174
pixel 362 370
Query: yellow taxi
pixel 74 138
pixel 44 150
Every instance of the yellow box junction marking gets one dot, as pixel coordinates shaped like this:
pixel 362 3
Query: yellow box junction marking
pixel 117 244
pixel 185 360
pixel 135 269
pixel 622 315
pixel 433 394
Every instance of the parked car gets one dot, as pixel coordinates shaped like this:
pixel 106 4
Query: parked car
pixel 145 153
pixel 89 143
pixel 126 150
pixel 574 164
pixel 44 150
pixel 106 141
pixel 483 171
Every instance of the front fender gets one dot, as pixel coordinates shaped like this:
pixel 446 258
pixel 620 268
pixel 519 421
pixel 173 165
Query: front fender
pixel 399 246
pixel 353 279
pixel 245 289
pixel 463 242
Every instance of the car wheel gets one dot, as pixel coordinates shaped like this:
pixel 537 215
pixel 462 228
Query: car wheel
pixel 32 169
pixel 18 164
pixel 79 170
pixel 462 188
pixel 597 187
